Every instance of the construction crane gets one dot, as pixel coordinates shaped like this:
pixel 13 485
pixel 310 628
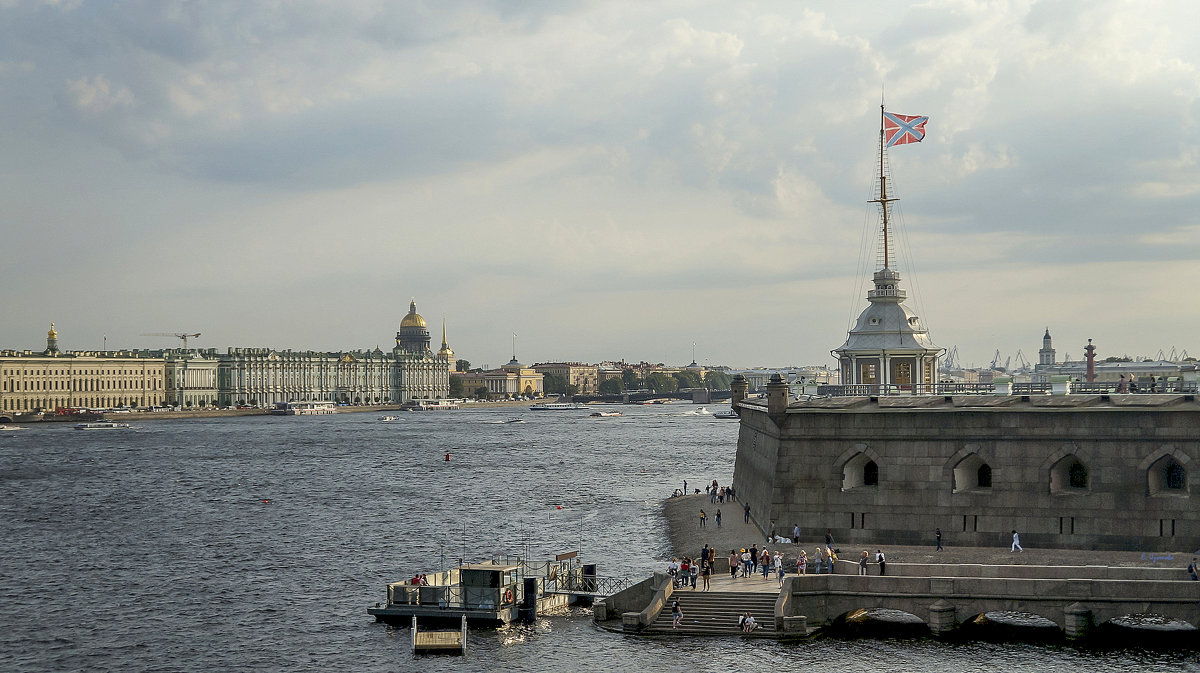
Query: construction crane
pixel 177 335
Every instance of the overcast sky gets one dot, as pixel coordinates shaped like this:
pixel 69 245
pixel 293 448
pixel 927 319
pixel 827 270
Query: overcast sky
pixel 606 179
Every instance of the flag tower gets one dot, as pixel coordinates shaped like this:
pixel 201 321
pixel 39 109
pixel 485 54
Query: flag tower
pixel 888 350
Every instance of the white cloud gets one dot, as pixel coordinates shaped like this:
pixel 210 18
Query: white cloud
pixel 95 95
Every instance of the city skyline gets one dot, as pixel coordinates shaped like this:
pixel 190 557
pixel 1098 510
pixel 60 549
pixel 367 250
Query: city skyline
pixel 606 180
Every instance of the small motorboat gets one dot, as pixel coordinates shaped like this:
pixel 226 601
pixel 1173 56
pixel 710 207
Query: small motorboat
pixel 388 419
pixel 605 414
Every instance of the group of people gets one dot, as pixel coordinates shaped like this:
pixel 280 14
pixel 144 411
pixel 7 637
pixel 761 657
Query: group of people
pixel 419 580
pixel 717 494
pixel 751 561
pixel 684 573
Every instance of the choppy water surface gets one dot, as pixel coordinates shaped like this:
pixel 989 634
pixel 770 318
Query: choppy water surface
pixel 257 543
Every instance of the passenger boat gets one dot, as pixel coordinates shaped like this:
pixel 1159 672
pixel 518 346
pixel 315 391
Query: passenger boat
pixel 103 425
pixel 557 406
pixel 729 413
pixel 304 408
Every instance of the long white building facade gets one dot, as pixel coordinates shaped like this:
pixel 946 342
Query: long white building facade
pixel 264 377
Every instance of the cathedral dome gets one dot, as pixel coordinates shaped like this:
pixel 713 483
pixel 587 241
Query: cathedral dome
pixel 413 319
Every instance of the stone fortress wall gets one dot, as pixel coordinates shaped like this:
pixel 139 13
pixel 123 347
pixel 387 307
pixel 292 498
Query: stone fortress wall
pixel 1075 471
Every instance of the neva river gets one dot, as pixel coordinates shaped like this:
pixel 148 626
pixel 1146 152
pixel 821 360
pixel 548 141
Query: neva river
pixel 256 543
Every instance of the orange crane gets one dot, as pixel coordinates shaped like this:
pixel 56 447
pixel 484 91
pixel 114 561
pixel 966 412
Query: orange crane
pixel 177 335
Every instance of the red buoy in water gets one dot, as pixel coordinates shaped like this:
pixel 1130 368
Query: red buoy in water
pixel 447 456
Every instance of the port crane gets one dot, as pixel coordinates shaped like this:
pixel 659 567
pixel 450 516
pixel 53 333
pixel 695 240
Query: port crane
pixel 177 335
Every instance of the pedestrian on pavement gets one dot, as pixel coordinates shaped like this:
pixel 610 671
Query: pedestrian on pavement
pixel 1016 545
pixel 746 516
pixel 938 536
pixel 1192 570
pixel 718 517
pixel 881 561
pixel 734 561
pixel 862 563
pixel 703 516
pixel 829 538
pixel 796 533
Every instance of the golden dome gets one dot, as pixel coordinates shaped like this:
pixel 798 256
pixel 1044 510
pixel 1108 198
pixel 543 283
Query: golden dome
pixel 52 334
pixel 413 319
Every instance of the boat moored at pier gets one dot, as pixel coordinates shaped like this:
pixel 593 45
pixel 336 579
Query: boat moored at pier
pixel 557 406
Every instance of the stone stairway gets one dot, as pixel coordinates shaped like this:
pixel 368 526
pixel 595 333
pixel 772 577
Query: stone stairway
pixel 715 613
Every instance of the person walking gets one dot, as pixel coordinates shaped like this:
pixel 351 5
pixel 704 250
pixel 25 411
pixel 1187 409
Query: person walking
pixel 706 574
pixel 802 563
pixel 734 562
pixel 676 615
pixel 937 535
pixel 829 538
pixel 879 558
pixel 764 560
pixel 862 563
pixel 694 572
pixel 1016 545
pixel 703 516
pixel 718 517
pixel 746 513
pixel 754 558
pixel 779 567
pixel 745 562
pixel 1192 570
pixel 796 533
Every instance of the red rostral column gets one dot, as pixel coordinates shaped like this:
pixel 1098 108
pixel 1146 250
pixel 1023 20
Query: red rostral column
pixel 1091 360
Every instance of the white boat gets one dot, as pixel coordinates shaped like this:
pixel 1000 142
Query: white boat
pixel 605 414
pixel 387 419
pixel 304 408
pixel 103 425
pixel 4 426
pixel 730 413
pixel 557 406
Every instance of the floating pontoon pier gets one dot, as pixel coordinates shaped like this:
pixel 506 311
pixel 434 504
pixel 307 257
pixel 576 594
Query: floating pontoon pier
pixel 496 592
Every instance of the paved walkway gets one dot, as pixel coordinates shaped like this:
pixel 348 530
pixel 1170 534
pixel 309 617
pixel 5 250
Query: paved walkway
pixel 687 538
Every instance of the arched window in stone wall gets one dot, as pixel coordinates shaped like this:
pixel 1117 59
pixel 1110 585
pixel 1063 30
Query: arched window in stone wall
pixel 1166 476
pixel 1069 475
pixel 971 473
pixel 859 471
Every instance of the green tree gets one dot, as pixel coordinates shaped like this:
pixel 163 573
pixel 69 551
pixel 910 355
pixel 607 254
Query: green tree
pixel 463 365
pixel 715 380
pixel 554 384
pixel 661 383
pixel 572 389
pixel 481 392
pixel 688 379
pixel 611 387
pixel 629 379
pixel 456 385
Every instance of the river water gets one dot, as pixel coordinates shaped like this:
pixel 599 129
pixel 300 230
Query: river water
pixel 257 543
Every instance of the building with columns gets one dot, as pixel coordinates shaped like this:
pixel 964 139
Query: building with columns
pixel 52 379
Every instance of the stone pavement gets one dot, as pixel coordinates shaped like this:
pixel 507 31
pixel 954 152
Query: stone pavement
pixel 687 538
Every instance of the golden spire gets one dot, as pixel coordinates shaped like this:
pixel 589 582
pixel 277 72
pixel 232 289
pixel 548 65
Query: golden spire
pixel 52 334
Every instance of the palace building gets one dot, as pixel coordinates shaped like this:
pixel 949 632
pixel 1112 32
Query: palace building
pixel 53 379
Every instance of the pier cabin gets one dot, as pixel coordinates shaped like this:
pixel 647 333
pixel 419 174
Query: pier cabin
pixel 491 593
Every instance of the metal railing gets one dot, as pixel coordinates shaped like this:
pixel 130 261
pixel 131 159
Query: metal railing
pixel 927 389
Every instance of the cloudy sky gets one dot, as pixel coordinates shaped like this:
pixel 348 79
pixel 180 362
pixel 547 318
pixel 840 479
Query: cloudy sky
pixel 606 179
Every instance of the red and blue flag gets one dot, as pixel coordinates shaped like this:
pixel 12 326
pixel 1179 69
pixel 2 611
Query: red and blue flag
pixel 903 129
